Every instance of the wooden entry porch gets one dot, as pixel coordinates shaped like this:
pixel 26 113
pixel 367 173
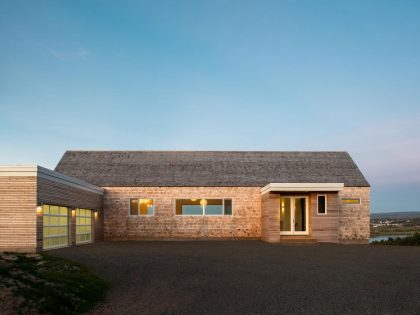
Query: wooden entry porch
pixel 319 227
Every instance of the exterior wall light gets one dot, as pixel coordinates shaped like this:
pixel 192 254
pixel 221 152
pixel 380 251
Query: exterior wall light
pixel 73 212
pixel 39 209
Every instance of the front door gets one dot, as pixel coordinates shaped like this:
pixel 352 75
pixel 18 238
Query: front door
pixel 294 216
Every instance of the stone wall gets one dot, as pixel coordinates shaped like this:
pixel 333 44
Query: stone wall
pixel 354 219
pixel 244 223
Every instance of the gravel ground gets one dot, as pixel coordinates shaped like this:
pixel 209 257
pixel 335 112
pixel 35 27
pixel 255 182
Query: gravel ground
pixel 248 277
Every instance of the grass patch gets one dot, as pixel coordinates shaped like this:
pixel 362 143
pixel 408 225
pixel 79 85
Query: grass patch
pixel 406 241
pixel 33 283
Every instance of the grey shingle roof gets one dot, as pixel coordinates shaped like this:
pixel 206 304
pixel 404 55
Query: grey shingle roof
pixel 209 168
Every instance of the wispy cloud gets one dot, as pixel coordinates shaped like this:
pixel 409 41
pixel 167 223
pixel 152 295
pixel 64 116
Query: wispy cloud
pixel 80 53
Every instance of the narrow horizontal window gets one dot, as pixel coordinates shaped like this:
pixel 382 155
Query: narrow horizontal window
pixel 200 206
pixel 141 206
pixel 322 204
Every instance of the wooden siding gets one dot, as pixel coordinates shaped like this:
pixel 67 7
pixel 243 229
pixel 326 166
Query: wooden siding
pixel 55 193
pixel 324 227
pixel 21 227
pixel 18 213
pixel 270 217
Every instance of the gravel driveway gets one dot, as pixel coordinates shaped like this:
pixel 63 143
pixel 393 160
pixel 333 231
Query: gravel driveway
pixel 253 277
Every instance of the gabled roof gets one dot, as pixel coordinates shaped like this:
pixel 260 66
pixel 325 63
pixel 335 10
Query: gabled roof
pixel 209 168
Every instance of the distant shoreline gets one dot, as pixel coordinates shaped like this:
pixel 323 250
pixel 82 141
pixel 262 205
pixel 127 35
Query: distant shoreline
pixel 395 215
pixel 386 233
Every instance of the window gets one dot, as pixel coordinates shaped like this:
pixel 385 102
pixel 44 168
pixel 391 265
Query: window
pixel 55 225
pixel 322 204
pixel 213 207
pixel 189 207
pixel 228 206
pixel 141 207
pixel 83 226
pixel 202 206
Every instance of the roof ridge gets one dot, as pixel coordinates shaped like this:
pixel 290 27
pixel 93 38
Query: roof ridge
pixel 224 151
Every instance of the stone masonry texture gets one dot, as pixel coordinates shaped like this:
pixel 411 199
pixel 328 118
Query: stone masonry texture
pixel 244 223
pixel 354 219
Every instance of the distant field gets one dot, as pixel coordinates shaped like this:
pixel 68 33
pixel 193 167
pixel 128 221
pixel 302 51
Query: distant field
pixel 394 223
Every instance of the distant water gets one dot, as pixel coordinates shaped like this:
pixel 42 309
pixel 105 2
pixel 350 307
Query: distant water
pixel 386 237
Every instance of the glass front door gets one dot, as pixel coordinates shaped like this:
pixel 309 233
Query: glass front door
pixel 293 216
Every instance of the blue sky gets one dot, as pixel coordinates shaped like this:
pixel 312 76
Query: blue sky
pixel 216 75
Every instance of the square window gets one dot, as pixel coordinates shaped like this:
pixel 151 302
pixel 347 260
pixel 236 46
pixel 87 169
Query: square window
pixel 146 206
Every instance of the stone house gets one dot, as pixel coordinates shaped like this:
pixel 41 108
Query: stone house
pixel 201 195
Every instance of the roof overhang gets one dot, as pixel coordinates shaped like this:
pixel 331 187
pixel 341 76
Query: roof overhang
pixel 302 187
pixel 42 172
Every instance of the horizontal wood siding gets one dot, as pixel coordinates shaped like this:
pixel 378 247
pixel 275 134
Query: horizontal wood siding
pixel 324 227
pixel 270 217
pixel 18 213
pixel 54 193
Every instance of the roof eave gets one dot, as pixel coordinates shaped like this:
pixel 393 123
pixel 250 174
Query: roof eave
pixel 302 187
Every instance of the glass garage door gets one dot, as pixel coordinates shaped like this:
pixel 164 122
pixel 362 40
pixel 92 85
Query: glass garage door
pixel 83 226
pixel 56 228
